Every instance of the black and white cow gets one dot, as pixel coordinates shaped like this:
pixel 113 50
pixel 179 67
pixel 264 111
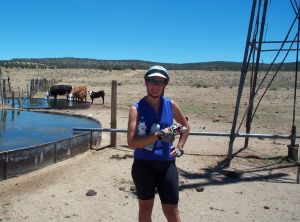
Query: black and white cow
pixel 94 95
pixel 59 90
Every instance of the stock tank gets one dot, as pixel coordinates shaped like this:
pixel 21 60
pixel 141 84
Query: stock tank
pixel 19 128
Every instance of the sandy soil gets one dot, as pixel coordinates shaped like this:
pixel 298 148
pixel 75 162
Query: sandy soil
pixel 262 188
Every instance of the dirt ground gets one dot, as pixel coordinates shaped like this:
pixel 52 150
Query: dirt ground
pixel 259 185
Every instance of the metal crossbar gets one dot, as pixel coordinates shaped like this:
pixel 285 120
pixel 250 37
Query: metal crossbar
pixel 245 135
pixel 253 135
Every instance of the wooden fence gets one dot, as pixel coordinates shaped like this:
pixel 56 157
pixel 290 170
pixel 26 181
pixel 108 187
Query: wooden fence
pixel 34 86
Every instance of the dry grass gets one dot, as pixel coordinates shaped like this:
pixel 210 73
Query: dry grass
pixel 209 95
pixel 265 191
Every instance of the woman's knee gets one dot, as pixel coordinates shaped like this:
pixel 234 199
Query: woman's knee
pixel 146 204
pixel 171 212
pixel 145 209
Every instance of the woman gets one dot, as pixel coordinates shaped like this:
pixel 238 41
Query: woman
pixel 150 135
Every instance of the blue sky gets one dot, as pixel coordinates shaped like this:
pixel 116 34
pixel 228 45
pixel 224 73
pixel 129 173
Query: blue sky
pixel 152 30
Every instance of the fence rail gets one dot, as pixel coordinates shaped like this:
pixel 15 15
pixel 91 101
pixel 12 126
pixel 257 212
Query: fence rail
pixel 254 135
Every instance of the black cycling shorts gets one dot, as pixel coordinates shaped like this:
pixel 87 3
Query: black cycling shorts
pixel 162 175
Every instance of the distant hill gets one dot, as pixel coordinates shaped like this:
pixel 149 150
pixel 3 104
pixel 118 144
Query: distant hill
pixel 69 62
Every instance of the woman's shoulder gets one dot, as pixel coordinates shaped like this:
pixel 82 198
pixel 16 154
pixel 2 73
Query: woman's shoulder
pixel 137 103
pixel 168 100
pixel 165 98
pixel 171 102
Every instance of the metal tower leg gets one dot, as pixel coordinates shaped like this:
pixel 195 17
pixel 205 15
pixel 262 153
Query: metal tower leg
pixel 253 84
pixel 241 86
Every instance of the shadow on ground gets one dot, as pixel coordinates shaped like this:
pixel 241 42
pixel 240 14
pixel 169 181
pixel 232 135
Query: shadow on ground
pixel 266 171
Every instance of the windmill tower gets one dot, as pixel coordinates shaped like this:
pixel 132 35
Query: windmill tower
pixel 256 45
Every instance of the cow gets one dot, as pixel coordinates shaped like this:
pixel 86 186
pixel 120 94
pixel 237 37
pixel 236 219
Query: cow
pixel 94 95
pixel 78 93
pixel 59 90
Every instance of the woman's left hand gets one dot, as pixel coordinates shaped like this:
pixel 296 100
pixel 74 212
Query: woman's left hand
pixel 176 151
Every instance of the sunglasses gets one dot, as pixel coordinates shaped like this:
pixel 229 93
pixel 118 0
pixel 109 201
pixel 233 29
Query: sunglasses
pixel 156 82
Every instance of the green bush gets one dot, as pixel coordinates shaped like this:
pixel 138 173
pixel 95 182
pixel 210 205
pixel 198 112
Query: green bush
pixel 274 88
pixel 199 85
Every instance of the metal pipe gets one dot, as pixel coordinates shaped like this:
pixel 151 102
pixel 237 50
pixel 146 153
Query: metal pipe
pixel 254 81
pixel 293 6
pixel 278 41
pixel 241 86
pixel 101 130
pixel 276 50
pixel 296 75
pixel 254 135
pixel 272 79
pixel 277 54
pixel 292 152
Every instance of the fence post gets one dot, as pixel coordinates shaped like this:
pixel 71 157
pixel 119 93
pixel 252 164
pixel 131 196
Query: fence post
pixel 19 101
pixel 113 135
pixel 4 90
pixel 55 153
pixel 8 83
pixel 5 166
pixel 13 98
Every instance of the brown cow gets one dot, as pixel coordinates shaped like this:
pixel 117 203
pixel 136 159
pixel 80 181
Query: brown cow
pixel 79 93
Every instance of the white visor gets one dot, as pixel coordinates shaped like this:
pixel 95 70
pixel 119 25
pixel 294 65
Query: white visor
pixel 156 74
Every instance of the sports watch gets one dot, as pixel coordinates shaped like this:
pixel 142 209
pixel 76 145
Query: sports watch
pixel 179 151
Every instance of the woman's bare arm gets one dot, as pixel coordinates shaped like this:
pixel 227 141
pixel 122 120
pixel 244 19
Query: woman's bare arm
pixel 133 140
pixel 180 118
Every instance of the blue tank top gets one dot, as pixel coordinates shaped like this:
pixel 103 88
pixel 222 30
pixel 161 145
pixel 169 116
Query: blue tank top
pixel 149 122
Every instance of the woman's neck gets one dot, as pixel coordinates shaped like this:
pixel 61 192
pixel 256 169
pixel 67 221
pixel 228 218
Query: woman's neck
pixel 154 102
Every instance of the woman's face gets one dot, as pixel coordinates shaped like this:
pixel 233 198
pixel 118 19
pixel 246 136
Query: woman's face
pixel 155 85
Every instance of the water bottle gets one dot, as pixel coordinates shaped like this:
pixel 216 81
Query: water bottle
pixel 142 127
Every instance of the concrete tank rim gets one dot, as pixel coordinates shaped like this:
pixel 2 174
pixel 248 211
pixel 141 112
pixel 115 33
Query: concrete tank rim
pixel 48 112
pixel 41 144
